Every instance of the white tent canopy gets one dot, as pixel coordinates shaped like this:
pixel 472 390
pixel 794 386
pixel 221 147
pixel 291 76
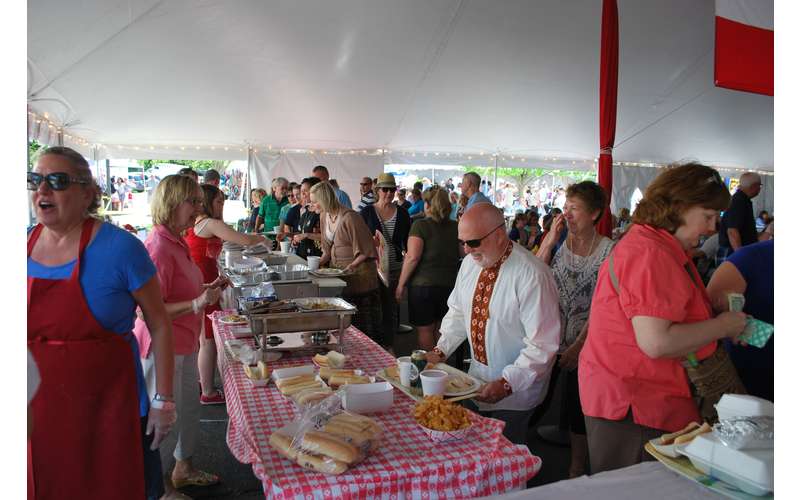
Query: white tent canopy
pixel 389 80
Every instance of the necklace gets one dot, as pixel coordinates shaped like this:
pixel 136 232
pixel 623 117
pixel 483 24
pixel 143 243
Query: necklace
pixel 578 262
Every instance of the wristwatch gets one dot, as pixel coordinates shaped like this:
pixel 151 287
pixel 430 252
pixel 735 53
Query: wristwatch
pixel 158 404
pixel 161 397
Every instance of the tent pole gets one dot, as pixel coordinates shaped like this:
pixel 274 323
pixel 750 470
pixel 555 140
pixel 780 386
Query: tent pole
pixel 494 189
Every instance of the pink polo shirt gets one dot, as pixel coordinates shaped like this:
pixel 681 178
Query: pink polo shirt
pixel 180 280
pixel 614 374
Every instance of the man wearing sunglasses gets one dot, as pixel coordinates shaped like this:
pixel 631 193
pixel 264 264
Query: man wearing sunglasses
pixel 367 194
pixel 505 303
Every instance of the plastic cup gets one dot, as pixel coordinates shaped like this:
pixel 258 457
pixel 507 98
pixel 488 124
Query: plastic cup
pixel 406 369
pixel 285 246
pixel 434 382
pixel 277 229
pixel 313 264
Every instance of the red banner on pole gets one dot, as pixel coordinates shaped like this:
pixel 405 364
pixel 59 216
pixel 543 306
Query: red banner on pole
pixel 609 63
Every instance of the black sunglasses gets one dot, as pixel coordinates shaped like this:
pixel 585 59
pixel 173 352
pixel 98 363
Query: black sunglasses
pixel 58 181
pixel 388 189
pixel 477 243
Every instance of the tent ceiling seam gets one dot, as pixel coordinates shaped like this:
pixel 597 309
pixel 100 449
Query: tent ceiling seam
pixel 102 44
pixel 431 65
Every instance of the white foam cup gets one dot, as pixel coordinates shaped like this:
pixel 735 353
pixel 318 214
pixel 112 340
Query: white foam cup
pixel 434 382
pixel 313 262
pixel 405 367
pixel 285 246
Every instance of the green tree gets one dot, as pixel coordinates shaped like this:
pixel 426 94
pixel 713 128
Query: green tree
pixel 200 166
pixel 33 153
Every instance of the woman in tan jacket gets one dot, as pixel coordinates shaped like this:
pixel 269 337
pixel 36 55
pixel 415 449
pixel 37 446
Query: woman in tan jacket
pixel 347 244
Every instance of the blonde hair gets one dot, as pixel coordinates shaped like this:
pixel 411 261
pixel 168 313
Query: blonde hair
pixel 171 192
pixel 326 197
pixel 439 204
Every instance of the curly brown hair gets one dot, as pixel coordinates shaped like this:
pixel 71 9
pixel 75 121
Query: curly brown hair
pixel 591 194
pixel 677 189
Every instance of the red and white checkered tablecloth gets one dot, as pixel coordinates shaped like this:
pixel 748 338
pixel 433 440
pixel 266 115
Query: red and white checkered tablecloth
pixel 408 464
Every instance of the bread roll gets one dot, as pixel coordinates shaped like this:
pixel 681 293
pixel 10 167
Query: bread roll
pixel 325 465
pixel 339 380
pixel 294 389
pixel 263 370
pixel 685 438
pixel 670 438
pixel 282 444
pixel 321 360
pixel 309 396
pixel 327 373
pixel 320 443
pixel 281 382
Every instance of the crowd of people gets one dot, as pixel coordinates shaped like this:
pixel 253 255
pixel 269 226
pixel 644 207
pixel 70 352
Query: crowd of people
pixel 628 325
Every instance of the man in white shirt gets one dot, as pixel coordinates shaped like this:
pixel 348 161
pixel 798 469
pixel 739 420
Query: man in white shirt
pixel 505 302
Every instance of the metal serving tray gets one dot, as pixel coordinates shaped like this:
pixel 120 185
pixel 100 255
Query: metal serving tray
pixel 337 317
pixel 288 272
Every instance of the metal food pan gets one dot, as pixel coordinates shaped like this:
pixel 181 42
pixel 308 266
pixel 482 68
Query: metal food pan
pixel 307 304
pixel 301 321
pixel 288 272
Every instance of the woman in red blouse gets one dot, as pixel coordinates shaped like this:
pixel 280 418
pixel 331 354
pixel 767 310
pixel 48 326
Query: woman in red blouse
pixel 205 244
pixel 649 312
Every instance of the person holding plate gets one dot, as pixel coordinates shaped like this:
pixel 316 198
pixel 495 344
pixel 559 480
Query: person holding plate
pixel 95 431
pixel 505 303
pixel 347 244
pixel 205 240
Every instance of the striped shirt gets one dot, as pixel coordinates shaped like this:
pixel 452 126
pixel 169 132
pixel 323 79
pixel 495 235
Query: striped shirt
pixel 366 200
pixel 387 229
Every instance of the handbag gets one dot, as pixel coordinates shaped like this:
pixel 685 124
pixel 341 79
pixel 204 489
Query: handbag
pixel 710 378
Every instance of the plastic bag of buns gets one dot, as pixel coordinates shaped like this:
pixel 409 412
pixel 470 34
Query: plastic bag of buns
pixel 328 439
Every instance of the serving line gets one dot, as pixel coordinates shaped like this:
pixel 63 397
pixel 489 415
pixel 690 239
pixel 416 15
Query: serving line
pixel 407 465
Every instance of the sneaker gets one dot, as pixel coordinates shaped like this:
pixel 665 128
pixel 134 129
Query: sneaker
pixel 217 399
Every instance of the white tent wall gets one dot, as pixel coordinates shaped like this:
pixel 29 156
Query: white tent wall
pixel 346 169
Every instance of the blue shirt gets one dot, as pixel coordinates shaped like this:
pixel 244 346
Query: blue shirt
pixel 417 207
pixel 476 198
pixel 756 264
pixel 343 198
pixel 115 264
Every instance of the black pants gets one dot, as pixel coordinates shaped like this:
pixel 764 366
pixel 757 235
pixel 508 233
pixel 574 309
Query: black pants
pixel 153 480
pixel 390 311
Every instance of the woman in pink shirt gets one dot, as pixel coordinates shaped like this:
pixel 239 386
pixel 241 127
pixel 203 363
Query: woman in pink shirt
pixel 649 312
pixel 176 202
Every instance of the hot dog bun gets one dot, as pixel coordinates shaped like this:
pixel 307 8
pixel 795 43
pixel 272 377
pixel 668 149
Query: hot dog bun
pixel 320 443
pixel 685 438
pixel 325 465
pixel 282 382
pixel 297 388
pixel 282 444
pixel 340 380
pixel 670 438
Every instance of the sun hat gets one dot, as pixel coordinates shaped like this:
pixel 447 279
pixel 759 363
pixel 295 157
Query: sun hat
pixel 386 180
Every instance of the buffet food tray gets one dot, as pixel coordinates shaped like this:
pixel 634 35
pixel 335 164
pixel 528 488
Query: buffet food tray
pixel 313 314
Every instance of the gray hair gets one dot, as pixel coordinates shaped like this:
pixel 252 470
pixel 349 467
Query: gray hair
pixel 748 179
pixel 279 181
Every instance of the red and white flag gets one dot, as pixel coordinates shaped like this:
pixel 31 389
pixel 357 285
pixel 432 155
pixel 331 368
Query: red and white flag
pixel 744 51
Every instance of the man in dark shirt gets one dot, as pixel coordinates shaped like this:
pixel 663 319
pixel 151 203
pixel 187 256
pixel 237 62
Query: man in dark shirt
pixel 738 226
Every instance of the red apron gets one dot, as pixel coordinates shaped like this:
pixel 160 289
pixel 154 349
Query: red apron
pixel 86 440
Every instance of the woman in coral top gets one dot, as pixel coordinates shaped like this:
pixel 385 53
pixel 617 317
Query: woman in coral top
pixel 649 312
pixel 205 244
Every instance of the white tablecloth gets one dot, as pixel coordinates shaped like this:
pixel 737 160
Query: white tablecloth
pixel 647 480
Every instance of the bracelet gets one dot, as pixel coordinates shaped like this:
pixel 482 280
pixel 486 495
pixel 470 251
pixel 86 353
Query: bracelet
pixel 439 353
pixel 196 305
pixel 161 397
pixel 506 387
pixel 162 405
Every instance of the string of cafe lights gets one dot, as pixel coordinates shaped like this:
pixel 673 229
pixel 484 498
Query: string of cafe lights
pixel 480 156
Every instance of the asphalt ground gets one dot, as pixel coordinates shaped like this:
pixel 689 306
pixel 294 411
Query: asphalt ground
pixel 238 481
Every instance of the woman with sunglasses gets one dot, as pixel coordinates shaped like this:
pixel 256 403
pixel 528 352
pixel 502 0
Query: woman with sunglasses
pixel 177 201
pixel 347 244
pixel 394 224
pixel 430 267
pixel 205 244
pixel 293 194
pixel 95 432
pixel 651 324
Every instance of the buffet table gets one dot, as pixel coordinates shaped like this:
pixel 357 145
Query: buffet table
pixel 649 480
pixel 408 464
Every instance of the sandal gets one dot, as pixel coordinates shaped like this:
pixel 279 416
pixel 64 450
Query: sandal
pixel 196 478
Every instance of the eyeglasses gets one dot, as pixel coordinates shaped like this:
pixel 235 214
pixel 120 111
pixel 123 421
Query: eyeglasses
pixel 477 243
pixel 58 181
pixel 388 189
